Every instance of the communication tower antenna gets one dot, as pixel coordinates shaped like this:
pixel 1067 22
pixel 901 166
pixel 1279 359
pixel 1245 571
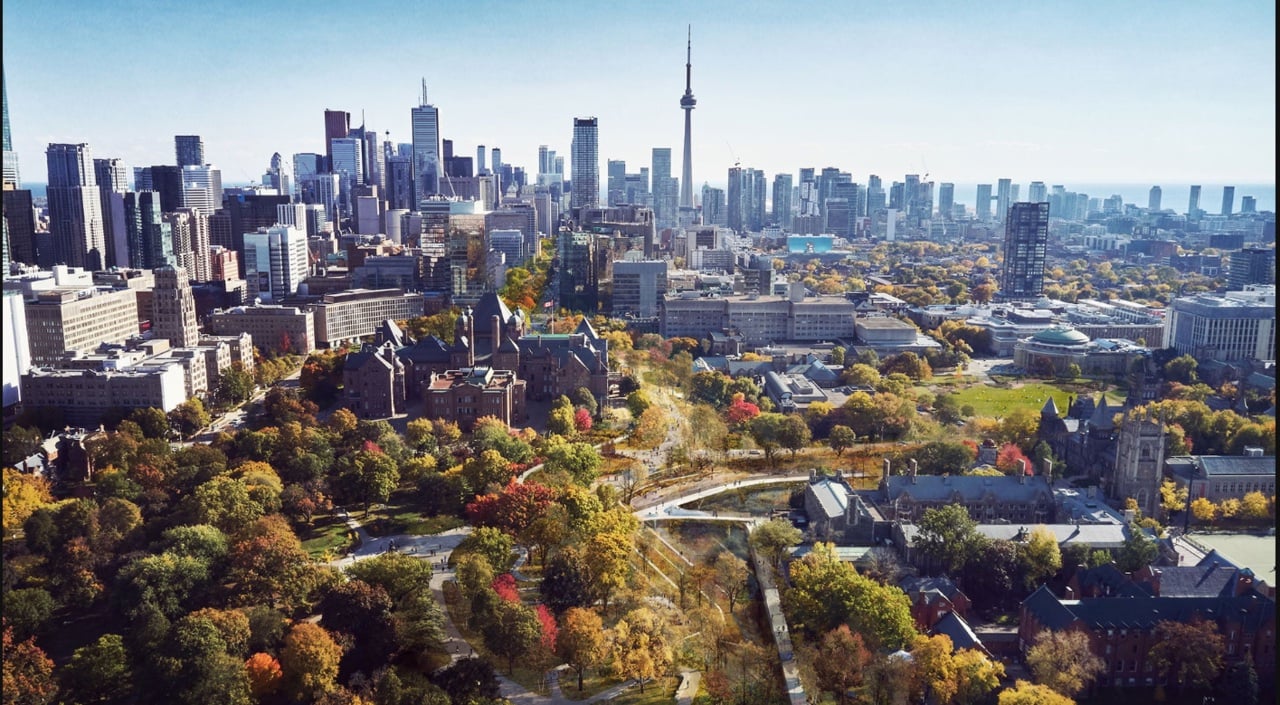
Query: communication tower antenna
pixel 736 161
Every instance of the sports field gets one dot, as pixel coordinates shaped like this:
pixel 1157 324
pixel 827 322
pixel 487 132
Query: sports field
pixel 988 400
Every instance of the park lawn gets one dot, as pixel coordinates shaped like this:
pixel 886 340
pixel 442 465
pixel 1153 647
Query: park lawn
pixel 659 693
pixel 402 515
pixel 327 537
pixel 593 683
pixel 1000 401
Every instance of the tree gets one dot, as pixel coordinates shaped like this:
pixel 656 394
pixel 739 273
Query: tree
pixel 27 673
pixel 491 544
pixel 20 443
pixel 1173 497
pixel 364 612
pixel 842 658
pixel 489 469
pixel 1011 460
pixel 469 680
pixel 976 676
pixel 1064 661
pixel 398 574
pixel 26 610
pixel 1204 510
pixel 582 420
pixel 642 645
pixel 560 421
pixel 827 592
pixel 1024 693
pixel 650 429
pixel 513 632
pixel 584 399
pixel 740 411
pixel 731 575
pixel 710 387
pixel 947 536
pixel 907 363
pixel 935 669
pixel 265 674
pixel 841 438
pixel 310 660
pixel 608 556
pixel 99 672
pixel 1189 654
pixel 773 538
pixel 1238 684
pixel 581 461
pixel 1254 507
pixel 581 642
pixel 566 581
pixel 369 476
pixel 189 416
pixel 1020 427
pixel 1138 551
pixel 944 457
pixel 270 566
pixel 1040 556
pixel 23 495
pixel 794 434
pixel 1182 369
pixel 153 422
pixel 637 402
pixel 223 502
pixel 767 431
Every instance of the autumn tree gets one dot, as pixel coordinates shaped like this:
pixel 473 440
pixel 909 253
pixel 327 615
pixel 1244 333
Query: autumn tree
pixel 642 645
pixel 1064 661
pixel 1204 510
pixel 1040 556
pixel 1010 460
pixel 650 429
pixel 1024 693
pixel 774 538
pixel 731 576
pixel 841 661
pixel 1189 654
pixel 189 416
pixel 265 674
pixel 935 670
pixel 581 641
pixel 513 632
pixel 23 495
pixel 27 673
pixel 310 660
pixel 827 592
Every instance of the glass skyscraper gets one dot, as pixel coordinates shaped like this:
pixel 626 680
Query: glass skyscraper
pixel 426 149
pixel 585 165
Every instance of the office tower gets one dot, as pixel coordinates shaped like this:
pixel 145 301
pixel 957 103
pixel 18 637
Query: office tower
pixel 1026 233
pixel 481 165
pixel 275 261
pixel 150 237
pixel 946 199
pixel 1194 204
pixel 400 183
pixel 200 234
pixel 12 179
pixel 179 223
pixel 897 196
pixel 495 155
pixel 687 104
pixel 112 185
pixel 167 181
pixel 75 210
pixel 638 287
pixel 1004 197
pixel 19 215
pixel 1153 199
pixel 426 149
pixel 1228 199
pixel 713 206
pixel 585 167
pixel 782 200
pixel 189 150
pixel 982 202
pixel 735 203
pixel 337 124
pixel 201 189
pixel 1255 265
pixel 666 190
pixel 374 162
pixel 173 308
pixel 1037 193
pixel 348 159
pixel 756 205
pixel 616 181
pixel 279 175
pixel 1248 204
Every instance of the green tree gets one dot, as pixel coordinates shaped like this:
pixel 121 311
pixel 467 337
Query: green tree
pixel 827 592
pixel 560 421
pixel 767 431
pixel 841 438
pixel 20 443
pixel 637 402
pixel 775 538
pixel 223 502
pixel 153 422
pixel 581 461
pixel 189 416
pixel 1138 551
pixel 582 398
pixel 236 384
pixel 947 536
pixel 490 543
pixel 1188 654
pixel 26 610
pixel 514 632
pixel 793 433
pixel 99 672
pixel 944 458
pixel 485 471
pixel 566 581
pixel 1182 369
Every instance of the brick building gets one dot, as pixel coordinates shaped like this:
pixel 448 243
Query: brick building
pixel 464 395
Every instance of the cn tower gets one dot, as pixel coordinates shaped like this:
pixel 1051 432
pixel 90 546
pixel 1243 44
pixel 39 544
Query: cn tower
pixel 686 104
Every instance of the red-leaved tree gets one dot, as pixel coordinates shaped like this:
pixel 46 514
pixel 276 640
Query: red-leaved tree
pixel 1008 457
pixel 549 629
pixel 505 586
pixel 513 509
pixel 740 410
pixel 582 420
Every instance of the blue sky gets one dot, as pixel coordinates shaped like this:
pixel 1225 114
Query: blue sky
pixel 1143 92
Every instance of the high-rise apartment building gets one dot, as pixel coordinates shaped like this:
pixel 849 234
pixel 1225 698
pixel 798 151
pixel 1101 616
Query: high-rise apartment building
pixel 1004 197
pixel 179 223
pixel 482 167
pixel 201 189
pixel 173 308
pixel 75 207
pixel 585 163
pixel 189 150
pixel 713 206
pixel 1228 199
pixel 400 183
pixel 198 221
pixel 1153 199
pixel 782 191
pixel 666 192
pixel 615 184
pixel 946 199
pixel 150 237
pixel 736 201
pixel 1254 265
pixel 1248 204
pixel 112 179
pixel 1193 204
pixel 982 202
pixel 275 261
pixel 426 149
pixel 1026 234
pixel 279 175
pixel 1037 193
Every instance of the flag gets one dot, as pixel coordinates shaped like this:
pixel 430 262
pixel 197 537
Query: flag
pixel 548 304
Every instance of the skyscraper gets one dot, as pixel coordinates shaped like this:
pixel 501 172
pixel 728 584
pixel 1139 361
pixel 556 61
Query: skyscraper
pixel 616 181
pixel 1153 199
pixel 1004 197
pixel 946 199
pixel 1228 199
pixel 781 215
pixel 189 149
pixel 665 193
pixel 481 164
pixel 112 177
pixel 150 237
pixel 275 261
pixel 1026 233
pixel 687 104
pixel 982 202
pixel 426 149
pixel 201 188
pixel 1254 265
pixel 585 163
pixel 348 160
pixel 1193 204
pixel 75 208
pixel 337 124
pixel 736 203
pixel 12 179
pixel 1248 204
pixel 1037 193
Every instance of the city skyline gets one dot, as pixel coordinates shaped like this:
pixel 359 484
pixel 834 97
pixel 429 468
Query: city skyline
pixel 1032 87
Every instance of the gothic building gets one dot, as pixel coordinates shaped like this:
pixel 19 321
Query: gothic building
pixel 1085 439
pixel 1139 464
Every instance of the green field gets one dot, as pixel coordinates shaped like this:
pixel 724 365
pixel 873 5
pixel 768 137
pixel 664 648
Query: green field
pixel 993 401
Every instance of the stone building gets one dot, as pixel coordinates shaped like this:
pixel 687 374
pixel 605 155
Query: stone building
pixel 468 394
pixel 373 382
pixel 1020 499
pixel 1139 464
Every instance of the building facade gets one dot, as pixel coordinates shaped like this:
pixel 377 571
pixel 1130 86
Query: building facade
pixel 354 314
pixel 585 163
pixel 79 319
pixel 1026 236
pixel 1240 325
pixel 274 329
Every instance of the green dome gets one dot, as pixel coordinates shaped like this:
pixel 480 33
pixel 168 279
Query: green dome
pixel 1061 336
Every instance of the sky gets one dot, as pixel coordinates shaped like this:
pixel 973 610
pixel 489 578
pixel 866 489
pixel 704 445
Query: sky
pixel 1063 92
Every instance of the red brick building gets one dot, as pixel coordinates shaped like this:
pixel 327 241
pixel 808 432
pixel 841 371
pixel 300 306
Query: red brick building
pixel 464 395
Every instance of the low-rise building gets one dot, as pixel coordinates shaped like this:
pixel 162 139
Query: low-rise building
pixel 273 328
pixel 1021 499
pixel 352 315
pixel 1219 477
pixel 85 396
pixel 465 395
pixel 1053 350
pixel 373 382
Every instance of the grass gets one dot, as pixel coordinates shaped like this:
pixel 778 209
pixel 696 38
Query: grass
pixel 403 516
pixel 327 537
pixel 999 401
